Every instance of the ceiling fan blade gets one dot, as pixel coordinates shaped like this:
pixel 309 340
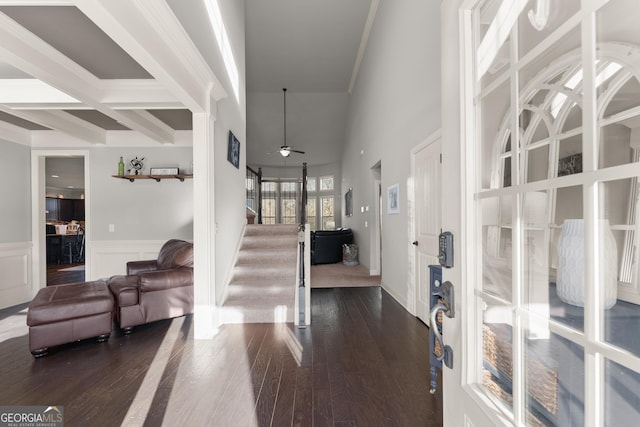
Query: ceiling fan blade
pixel 296 151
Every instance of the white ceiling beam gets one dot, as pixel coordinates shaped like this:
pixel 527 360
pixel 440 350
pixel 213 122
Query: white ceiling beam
pixel 22 49
pixel 135 119
pixel 116 94
pixel 31 91
pixel 13 133
pixel 36 3
pixel 62 122
pixel 132 93
pixel 151 34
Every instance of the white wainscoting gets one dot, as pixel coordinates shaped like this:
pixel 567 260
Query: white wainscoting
pixel 15 273
pixel 109 258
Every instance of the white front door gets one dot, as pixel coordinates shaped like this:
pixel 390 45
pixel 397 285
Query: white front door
pixel 540 144
pixel 426 178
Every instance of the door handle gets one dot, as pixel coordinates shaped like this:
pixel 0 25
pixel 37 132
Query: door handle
pixel 447 352
pixel 445 304
pixel 415 243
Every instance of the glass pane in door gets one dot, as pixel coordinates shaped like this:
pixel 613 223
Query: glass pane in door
pixel 495 33
pixel 496 247
pixel 496 145
pixel 554 381
pixel 534 25
pixel 566 293
pixel 617 282
pixel 536 235
pixel 497 352
pixel 621 400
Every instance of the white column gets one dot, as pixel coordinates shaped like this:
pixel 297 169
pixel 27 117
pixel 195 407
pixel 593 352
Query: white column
pixel 205 310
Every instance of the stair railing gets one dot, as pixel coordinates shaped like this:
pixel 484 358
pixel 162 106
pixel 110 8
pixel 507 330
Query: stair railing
pixel 302 316
pixel 254 191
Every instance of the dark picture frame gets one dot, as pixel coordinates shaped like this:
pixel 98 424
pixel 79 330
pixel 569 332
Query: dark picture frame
pixel 233 150
pixel 348 203
pixel 570 165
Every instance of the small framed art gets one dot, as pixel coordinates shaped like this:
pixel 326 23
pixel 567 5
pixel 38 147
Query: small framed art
pixel 233 150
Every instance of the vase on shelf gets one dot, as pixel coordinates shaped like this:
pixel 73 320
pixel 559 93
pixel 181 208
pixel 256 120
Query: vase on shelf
pixel 121 167
pixel 570 280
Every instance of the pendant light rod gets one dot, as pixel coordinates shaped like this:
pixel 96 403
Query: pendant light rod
pixel 284 95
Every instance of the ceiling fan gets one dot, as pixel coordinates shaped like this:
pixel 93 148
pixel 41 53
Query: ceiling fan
pixel 285 150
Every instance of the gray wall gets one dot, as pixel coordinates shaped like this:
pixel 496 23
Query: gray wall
pixel 143 209
pixel 395 106
pixel 15 193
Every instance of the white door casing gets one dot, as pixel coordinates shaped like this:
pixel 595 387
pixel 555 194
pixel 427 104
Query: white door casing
pixel 463 404
pixel 425 160
pixel 38 232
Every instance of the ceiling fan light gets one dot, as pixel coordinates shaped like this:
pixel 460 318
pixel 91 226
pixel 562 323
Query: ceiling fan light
pixel 285 151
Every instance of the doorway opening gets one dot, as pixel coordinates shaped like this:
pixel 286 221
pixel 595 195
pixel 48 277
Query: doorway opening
pixel 60 218
pixel 376 233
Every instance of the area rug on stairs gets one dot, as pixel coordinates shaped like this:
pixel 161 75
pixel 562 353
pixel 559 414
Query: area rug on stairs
pixel 339 275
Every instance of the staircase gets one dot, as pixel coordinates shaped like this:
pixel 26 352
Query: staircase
pixel 262 289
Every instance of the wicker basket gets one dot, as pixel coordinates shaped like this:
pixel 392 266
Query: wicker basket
pixel 542 382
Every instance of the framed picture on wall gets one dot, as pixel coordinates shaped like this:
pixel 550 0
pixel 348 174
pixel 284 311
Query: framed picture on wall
pixel 393 199
pixel 233 150
pixel 570 165
pixel 348 203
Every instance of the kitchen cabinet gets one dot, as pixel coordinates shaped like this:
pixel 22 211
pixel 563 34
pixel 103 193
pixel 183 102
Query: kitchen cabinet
pixel 52 208
pixel 64 209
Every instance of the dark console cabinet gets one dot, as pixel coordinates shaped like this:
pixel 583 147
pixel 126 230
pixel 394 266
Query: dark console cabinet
pixel 326 245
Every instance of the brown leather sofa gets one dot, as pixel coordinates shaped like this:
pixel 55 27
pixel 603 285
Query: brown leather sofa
pixel 155 289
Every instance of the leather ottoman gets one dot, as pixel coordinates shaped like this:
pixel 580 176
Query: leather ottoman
pixel 66 313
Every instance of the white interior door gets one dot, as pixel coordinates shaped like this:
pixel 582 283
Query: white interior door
pixel 426 178
pixel 540 178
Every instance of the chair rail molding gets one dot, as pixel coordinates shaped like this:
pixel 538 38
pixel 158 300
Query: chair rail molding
pixel 110 257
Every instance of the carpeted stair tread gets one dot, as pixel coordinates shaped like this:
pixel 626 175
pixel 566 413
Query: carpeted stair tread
pixel 258 242
pixel 270 229
pixel 266 257
pixel 262 288
pixel 256 290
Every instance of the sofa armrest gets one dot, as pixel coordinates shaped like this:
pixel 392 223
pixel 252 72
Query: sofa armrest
pixel 137 267
pixel 124 289
pixel 165 279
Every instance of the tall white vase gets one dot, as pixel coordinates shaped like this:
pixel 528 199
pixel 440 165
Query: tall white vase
pixel 570 280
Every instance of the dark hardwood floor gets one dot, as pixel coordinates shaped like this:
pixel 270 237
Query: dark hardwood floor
pixel 363 362
pixel 58 274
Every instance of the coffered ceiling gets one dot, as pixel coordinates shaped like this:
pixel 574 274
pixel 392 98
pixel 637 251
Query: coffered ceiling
pixel 91 68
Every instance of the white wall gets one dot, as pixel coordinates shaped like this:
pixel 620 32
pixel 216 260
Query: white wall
pixel 395 105
pixel 230 115
pixel 15 224
pixel 15 193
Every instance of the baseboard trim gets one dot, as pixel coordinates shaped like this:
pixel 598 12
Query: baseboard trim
pixel 400 300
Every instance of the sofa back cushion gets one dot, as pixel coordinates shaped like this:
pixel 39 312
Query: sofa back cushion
pixel 175 253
